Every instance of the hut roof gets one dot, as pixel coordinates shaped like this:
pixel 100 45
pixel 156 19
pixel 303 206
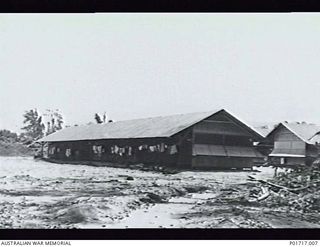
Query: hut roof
pixel 316 138
pixel 164 126
pixel 264 129
pixel 307 132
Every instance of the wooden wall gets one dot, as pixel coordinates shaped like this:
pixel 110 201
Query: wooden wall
pixel 287 161
pixel 105 150
pixel 286 142
pixel 214 162
pixel 220 131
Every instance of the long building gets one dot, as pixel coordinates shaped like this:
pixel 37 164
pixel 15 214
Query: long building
pixel 294 144
pixel 215 139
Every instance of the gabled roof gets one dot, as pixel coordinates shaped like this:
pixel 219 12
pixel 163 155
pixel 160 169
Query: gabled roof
pixel 316 138
pixel 264 129
pixel 165 126
pixel 306 132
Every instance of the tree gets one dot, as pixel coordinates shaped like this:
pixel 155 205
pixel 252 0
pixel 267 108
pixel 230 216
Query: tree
pixel 8 136
pixel 105 117
pixel 54 121
pixel 98 118
pixel 34 128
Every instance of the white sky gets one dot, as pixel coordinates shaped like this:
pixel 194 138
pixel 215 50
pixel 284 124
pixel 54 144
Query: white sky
pixel 263 67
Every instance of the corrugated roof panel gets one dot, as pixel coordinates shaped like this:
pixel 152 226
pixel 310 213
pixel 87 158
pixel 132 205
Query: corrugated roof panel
pixel 211 150
pixel 315 139
pixel 303 130
pixel 264 130
pixel 239 151
pixel 228 151
pixel 137 128
pixel 279 151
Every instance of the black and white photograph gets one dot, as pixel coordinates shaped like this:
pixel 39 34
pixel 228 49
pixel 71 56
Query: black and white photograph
pixel 159 121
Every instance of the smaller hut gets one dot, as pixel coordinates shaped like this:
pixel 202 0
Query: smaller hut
pixel 294 144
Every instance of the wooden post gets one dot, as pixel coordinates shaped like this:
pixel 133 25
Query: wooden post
pixel 275 172
pixel 41 153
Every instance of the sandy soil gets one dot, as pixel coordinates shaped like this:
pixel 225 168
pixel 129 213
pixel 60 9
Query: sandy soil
pixel 38 194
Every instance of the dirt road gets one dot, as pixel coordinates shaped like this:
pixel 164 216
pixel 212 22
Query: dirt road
pixel 37 194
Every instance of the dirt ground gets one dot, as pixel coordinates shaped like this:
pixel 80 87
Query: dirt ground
pixel 38 194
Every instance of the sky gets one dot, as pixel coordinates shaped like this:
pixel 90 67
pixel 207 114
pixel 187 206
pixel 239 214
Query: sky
pixel 262 67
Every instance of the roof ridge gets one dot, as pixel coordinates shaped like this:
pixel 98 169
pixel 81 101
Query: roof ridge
pixel 171 115
pixel 145 118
